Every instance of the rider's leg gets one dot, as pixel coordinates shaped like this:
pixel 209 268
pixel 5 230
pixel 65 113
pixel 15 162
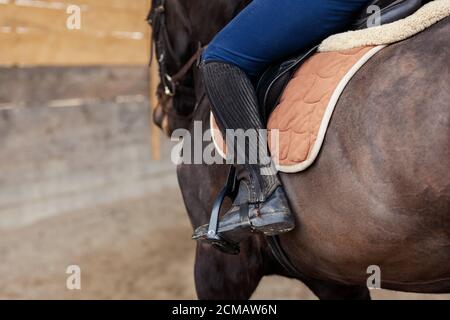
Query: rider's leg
pixel 269 30
pixel 266 205
pixel 265 31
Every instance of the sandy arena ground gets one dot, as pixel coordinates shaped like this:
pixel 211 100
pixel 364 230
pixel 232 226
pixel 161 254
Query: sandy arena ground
pixel 138 249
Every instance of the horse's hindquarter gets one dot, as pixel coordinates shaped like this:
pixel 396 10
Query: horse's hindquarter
pixel 379 193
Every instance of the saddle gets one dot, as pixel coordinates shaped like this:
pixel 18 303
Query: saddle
pixel 274 80
pixel 297 97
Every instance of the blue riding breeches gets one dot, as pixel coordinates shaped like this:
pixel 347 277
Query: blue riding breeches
pixel 269 30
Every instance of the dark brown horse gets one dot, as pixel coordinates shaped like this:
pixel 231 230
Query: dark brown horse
pixel 378 194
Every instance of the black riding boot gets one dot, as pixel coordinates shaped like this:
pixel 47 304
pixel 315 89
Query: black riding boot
pixel 261 204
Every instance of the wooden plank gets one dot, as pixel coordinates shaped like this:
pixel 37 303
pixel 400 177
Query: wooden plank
pixel 56 160
pixel 112 32
pixel 37 87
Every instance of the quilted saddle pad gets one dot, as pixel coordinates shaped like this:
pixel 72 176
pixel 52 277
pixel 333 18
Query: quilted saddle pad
pixel 298 125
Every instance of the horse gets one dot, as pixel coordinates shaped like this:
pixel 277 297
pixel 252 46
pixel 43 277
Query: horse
pixel 377 195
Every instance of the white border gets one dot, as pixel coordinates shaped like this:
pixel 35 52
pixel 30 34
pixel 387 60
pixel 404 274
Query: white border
pixel 399 30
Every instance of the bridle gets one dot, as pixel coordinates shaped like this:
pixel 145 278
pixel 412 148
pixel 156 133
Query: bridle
pixel 163 48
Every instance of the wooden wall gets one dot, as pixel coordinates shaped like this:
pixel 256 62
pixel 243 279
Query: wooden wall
pixel 34 36
pixel 74 115
pixel 34 32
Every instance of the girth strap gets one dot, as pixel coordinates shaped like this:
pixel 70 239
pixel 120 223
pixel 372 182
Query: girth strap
pixel 281 256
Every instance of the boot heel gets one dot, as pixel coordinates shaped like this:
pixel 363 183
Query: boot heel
pixel 275 223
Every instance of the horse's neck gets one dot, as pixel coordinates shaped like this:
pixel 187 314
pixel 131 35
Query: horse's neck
pixel 208 18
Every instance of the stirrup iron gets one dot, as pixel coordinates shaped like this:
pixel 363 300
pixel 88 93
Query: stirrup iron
pixel 215 239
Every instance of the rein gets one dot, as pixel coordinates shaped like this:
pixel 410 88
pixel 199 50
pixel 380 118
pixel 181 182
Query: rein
pixel 170 83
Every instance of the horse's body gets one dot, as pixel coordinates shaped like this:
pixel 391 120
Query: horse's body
pixel 378 194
